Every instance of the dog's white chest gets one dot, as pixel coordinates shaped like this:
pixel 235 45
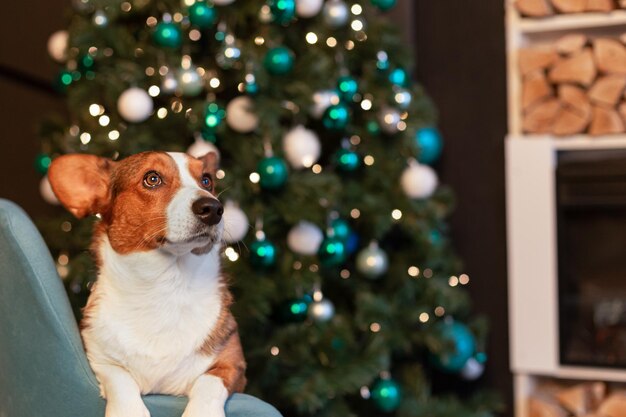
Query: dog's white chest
pixel 156 327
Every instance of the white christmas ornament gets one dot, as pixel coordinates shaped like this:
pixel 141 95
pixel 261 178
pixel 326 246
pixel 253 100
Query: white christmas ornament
pixel 46 192
pixel 418 181
pixel 472 369
pixel 305 238
pixel 308 8
pixel 240 115
pixel 57 45
pixel 302 147
pixel 201 147
pixel 223 2
pixel 336 13
pixel 135 105
pixel 235 223
pixel 321 101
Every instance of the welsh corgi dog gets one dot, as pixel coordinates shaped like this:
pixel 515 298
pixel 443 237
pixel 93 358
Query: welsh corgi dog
pixel 158 318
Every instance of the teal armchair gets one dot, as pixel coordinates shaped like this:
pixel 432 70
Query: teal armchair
pixel 43 367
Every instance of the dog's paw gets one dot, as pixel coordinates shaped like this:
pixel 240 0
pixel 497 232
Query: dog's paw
pixel 204 408
pixel 127 408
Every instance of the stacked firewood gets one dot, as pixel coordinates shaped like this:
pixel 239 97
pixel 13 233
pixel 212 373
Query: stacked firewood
pixel 542 8
pixel 575 85
pixel 583 400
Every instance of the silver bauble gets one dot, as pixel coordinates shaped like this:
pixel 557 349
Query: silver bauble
pixel 336 13
pixel 190 82
pixel 372 261
pixel 472 369
pixel 321 311
pixel 169 84
pixel 305 238
pixel 308 8
pixel 388 118
pixel 419 180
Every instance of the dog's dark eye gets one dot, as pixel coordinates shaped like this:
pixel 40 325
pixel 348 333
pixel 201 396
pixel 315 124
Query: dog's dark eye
pixel 152 179
pixel 207 181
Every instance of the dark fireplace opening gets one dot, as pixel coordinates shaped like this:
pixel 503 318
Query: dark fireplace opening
pixel 591 227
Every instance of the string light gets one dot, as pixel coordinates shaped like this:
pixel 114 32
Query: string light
pixel 95 109
pixel 317 168
pixel 274 351
pixel 356 25
pixel 195 35
pixel 114 135
pixel 428 273
pixel 366 104
pixel 413 271
pixel 401 126
pixel 259 40
pixel 355 213
pixel 453 281
pixel 368 160
pixel 154 91
pixel 314 268
pixel 374 327
pixel 345 274
pixel 311 38
pixel 150 71
pixel 151 21
pixel 126 7
pixel 464 279
pixel 85 138
pixel 356 9
pixel 424 317
pixel 220 174
pixel 231 254
pixel 214 82
pixel 349 45
pixel 297 265
pixel 332 42
pixel 104 120
pixel 440 311
pixel 255 177
pixel 396 214
pixel 162 113
pixel 66 226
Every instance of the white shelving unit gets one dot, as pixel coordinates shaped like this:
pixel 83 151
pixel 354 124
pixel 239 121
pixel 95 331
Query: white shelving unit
pixel 530 201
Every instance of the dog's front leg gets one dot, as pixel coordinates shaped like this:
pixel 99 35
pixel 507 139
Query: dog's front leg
pixel 121 392
pixel 206 397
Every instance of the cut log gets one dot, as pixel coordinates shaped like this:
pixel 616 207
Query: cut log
pixel 575 99
pixel 605 122
pixel 610 56
pixel 571 43
pixel 534 8
pixel 570 6
pixel 544 407
pixel 535 88
pixel 540 118
pixel 614 405
pixel 599 5
pixel 531 59
pixel 579 68
pixel 607 90
pixel 567 123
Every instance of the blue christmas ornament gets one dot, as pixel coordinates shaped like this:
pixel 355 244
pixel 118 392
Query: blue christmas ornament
pixel 273 173
pixel 336 117
pixel 463 346
pixel 201 15
pixel 283 11
pixel 168 35
pixel 399 77
pixel 429 145
pixel 340 228
pixel 279 60
pixel 352 243
pixel 347 87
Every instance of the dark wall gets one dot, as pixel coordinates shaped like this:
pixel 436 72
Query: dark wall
pixel 461 61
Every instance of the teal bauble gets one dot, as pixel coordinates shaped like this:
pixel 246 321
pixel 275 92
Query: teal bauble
pixel 429 145
pixel 341 229
pixel 273 173
pixel 332 252
pixel 202 15
pixel 399 77
pixel 373 128
pixel 262 254
pixel 283 11
pixel 347 160
pixel 336 117
pixel 384 5
pixel 386 394
pixel 167 35
pixel 42 163
pixel 462 346
pixel 347 87
pixel 279 60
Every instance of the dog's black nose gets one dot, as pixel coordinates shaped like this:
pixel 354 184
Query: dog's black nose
pixel 208 210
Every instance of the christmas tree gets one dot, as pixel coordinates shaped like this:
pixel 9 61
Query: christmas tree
pixel 348 295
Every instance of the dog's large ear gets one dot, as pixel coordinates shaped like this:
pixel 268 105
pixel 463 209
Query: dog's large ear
pixel 82 183
pixel 211 162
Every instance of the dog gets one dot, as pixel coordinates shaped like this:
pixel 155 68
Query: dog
pixel 158 318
